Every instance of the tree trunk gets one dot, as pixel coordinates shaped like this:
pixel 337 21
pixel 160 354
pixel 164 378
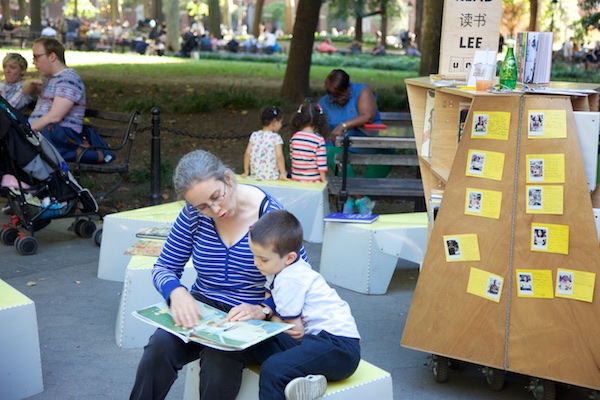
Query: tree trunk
pixel 172 15
pixel 75 11
pixel 115 10
pixel 257 18
pixel 6 6
pixel 227 13
pixel 296 83
pixel 214 18
pixel 418 21
pixel 290 6
pixel 147 9
pixel 22 10
pixel 432 33
pixel 384 23
pixel 358 36
pixel 533 15
pixel 35 12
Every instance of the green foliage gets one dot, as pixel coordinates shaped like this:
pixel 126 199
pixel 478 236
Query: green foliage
pixel 143 175
pixel 274 13
pixel 85 9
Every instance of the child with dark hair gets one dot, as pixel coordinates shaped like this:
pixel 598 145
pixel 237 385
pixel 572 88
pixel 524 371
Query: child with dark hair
pixel 263 159
pixel 324 343
pixel 307 145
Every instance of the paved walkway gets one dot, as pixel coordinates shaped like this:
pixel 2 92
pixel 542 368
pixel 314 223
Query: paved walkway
pixel 77 312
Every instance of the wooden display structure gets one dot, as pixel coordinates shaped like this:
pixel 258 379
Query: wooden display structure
pixel 549 338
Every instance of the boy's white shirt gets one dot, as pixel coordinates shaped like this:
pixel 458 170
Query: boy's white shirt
pixel 299 291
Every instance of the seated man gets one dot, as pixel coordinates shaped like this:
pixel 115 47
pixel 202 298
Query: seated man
pixel 61 101
pixel 326 47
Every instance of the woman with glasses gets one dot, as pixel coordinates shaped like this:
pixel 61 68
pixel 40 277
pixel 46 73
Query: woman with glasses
pixel 212 230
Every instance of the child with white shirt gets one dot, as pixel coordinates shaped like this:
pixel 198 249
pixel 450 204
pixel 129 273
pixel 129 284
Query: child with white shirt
pixel 324 343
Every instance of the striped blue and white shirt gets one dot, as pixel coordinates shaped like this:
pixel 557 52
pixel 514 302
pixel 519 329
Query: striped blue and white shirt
pixel 225 274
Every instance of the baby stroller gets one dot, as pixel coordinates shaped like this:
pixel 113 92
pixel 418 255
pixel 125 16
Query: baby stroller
pixel 39 187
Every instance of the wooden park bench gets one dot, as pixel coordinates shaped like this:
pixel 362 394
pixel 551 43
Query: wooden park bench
pixel 119 131
pixel 343 186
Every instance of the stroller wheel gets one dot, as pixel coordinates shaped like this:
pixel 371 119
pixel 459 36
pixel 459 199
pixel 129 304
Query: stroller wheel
pixel 26 245
pixel 85 228
pixel 98 237
pixel 9 235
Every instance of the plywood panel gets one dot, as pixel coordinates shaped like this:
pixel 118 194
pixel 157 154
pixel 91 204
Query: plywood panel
pixel 444 319
pixel 556 339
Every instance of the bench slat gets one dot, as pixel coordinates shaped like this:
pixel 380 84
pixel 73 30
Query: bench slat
pixel 378 142
pixel 402 160
pixel 385 187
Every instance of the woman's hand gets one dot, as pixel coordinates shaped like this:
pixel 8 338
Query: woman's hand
pixel 337 131
pixel 184 308
pixel 245 312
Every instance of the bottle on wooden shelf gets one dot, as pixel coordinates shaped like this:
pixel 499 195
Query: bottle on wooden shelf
pixel 508 73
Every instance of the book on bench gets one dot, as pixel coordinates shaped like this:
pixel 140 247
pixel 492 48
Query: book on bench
pixel 356 218
pixel 212 330
pixel 155 232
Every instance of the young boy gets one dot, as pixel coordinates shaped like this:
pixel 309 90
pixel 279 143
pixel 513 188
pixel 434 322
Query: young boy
pixel 324 342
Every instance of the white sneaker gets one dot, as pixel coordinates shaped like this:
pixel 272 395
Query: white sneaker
pixel 308 387
pixel 6 210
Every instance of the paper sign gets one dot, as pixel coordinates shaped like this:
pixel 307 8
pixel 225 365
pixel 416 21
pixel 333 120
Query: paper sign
pixel 535 283
pixel 485 164
pixel 485 284
pixel 461 247
pixel 483 203
pixel 550 238
pixel 491 125
pixel 545 168
pixel 576 285
pixel 547 124
pixel 544 199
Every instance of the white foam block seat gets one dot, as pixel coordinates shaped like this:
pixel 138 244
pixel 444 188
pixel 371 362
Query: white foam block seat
pixel 363 257
pixel 308 202
pixel 118 235
pixel 139 292
pixel 367 382
pixel 20 362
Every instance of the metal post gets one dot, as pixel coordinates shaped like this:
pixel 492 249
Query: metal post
pixel 155 158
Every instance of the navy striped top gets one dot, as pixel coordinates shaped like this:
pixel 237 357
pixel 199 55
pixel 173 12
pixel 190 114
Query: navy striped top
pixel 225 274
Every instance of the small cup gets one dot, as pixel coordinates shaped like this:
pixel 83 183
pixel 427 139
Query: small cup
pixel 484 75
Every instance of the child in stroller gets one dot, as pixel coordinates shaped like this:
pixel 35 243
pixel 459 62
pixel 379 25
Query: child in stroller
pixel 38 184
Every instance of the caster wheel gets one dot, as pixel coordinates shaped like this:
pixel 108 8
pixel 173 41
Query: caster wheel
pixel 542 389
pixel 26 245
pixel 440 369
pixel 9 235
pixel 494 378
pixel 85 229
pixel 98 237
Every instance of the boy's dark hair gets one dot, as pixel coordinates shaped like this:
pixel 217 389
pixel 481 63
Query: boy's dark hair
pixel 269 114
pixel 278 229
pixel 310 113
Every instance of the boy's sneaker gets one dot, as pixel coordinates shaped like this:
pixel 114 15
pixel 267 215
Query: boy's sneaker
pixel 6 210
pixel 365 206
pixel 308 387
pixel 349 206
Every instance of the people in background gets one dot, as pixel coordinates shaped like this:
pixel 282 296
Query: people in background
pixel 61 102
pixel 270 44
pixel 211 231
pixel 15 66
pixel 263 159
pixel 379 50
pixel 326 47
pixel 307 145
pixel 324 343
pixel 355 47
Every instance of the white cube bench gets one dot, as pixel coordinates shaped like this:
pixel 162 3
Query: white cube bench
pixel 367 382
pixel 118 235
pixel 139 292
pixel 363 257
pixel 20 362
pixel 308 201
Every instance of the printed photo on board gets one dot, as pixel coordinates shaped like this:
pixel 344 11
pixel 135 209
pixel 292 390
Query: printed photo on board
pixel 477 163
pixel 536 124
pixel 536 170
pixel 540 238
pixel 480 124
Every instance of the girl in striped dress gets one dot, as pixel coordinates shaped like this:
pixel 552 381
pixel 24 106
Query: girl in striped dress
pixel 307 145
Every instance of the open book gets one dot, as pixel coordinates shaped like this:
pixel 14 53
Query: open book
pixel 155 232
pixel 357 218
pixel 212 329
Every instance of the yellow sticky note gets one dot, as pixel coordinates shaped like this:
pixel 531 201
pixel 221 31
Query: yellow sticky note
pixel 491 125
pixel 483 203
pixel 534 283
pixel 547 124
pixel 546 199
pixel 545 168
pixel 576 285
pixel 463 247
pixel 485 284
pixel 550 238
pixel 485 164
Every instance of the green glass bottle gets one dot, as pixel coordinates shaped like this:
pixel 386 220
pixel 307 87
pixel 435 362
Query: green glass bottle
pixel 508 73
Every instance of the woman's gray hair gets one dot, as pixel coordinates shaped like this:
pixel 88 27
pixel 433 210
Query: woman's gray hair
pixel 197 166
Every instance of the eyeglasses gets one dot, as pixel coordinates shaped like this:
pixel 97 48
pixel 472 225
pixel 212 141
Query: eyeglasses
pixel 216 201
pixel 36 56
